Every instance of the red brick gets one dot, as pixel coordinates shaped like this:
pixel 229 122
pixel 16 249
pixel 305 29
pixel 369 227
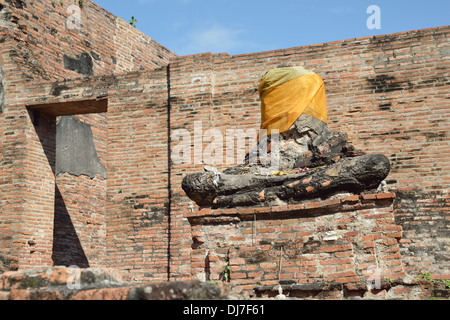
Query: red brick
pixel 272 223
pixel 299 206
pixel 369 196
pixel 335 261
pixel 313 205
pixel 351 234
pixel 336 248
pixel 354 198
pixel 268 265
pixel 265 230
pixel 396 235
pixel 262 210
pixel 343 254
pixel 307 180
pixel 369 244
pixel 247 211
pixel 342 274
pixel 331 202
pixel 306 263
pixel 279 209
pixel 382 196
pixel 392 256
pixel 401 290
pixel 346 280
pixel 371 237
pixel 326 184
pixel 204 212
pixel 229 211
pixel 393 228
pixel 345 267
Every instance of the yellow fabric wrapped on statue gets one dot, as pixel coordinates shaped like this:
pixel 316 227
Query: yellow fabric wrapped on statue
pixel 287 93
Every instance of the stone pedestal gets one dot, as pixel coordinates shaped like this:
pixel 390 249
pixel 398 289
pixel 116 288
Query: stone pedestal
pixel 336 246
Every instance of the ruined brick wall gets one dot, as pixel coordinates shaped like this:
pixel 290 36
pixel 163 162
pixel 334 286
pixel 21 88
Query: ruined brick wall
pixel 138 178
pixel 37 44
pixel 345 242
pixel 388 93
pixel 134 233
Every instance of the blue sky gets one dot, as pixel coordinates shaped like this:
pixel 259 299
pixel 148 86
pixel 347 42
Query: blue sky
pixel 244 26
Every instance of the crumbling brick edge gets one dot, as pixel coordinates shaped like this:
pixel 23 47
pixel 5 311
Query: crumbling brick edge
pixel 60 283
pixel 69 283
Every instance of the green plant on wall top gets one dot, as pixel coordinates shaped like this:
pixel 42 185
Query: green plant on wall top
pixel 61 2
pixel 133 21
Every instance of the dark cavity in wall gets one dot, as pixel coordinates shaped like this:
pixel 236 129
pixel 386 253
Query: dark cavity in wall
pixel 385 106
pixel 75 149
pixel 82 64
pixel 384 83
pixel 19 4
pixel 56 91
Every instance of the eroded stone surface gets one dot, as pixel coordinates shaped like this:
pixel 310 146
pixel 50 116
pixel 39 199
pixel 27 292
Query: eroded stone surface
pixel 352 175
pixel 61 283
pixel 75 149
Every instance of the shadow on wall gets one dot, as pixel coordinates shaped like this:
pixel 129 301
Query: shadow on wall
pixel 67 249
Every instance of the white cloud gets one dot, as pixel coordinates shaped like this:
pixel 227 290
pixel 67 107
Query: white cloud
pixel 216 39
